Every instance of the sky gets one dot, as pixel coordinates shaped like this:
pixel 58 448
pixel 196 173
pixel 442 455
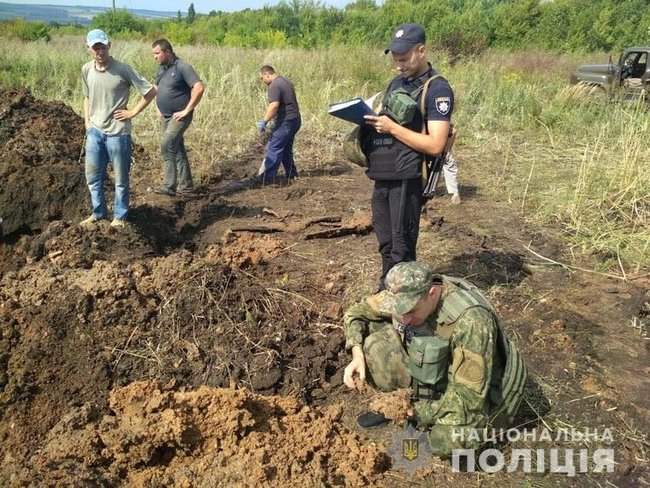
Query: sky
pixel 201 6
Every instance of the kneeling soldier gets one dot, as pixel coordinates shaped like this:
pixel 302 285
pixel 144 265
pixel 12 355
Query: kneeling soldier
pixel 441 337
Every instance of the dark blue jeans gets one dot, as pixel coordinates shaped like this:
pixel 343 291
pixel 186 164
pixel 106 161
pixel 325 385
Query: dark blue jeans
pixel 280 150
pixel 100 150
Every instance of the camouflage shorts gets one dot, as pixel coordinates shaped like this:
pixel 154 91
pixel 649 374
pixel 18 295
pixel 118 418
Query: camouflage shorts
pixel 386 360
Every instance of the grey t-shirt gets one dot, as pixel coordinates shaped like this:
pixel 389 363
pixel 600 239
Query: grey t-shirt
pixel 108 91
pixel 281 90
pixel 175 82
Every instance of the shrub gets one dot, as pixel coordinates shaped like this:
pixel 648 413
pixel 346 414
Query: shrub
pixel 25 31
pixel 118 21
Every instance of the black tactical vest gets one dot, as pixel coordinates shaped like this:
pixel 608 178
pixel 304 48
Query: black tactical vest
pixel 389 158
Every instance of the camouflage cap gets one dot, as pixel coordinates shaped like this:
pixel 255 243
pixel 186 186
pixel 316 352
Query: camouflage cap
pixel 406 283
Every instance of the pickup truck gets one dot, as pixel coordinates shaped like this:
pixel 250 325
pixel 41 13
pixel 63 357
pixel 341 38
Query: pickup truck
pixel 629 78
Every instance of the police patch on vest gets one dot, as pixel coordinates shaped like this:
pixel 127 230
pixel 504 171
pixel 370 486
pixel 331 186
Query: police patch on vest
pixel 382 141
pixel 443 105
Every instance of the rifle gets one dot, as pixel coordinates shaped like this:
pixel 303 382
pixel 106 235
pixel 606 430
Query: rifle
pixel 431 168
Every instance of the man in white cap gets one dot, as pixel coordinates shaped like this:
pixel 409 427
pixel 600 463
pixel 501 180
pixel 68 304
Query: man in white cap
pixel 106 84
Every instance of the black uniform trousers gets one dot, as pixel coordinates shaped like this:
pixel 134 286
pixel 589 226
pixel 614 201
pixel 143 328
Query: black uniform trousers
pixel 396 207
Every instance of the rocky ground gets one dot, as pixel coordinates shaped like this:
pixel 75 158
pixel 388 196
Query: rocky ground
pixel 203 345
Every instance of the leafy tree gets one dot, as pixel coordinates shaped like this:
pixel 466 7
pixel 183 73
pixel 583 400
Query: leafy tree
pixel 191 14
pixel 361 5
pixel 515 21
pixel 459 27
pixel 118 21
pixel 179 33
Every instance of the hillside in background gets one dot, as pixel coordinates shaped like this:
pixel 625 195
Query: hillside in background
pixel 458 27
pixel 64 14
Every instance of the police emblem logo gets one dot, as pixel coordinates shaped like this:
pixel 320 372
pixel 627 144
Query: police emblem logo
pixel 443 104
pixel 399 33
pixel 410 449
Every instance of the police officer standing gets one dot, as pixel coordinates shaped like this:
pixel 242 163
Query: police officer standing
pixel 396 141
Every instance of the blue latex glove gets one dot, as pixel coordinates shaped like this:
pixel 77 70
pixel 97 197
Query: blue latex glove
pixel 261 125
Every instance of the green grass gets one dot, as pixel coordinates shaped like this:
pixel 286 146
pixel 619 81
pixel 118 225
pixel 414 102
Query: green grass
pixel 578 163
pixel 571 160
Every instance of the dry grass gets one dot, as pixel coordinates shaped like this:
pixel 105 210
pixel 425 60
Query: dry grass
pixel 524 135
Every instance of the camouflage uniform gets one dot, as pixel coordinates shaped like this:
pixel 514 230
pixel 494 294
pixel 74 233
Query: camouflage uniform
pixel 474 365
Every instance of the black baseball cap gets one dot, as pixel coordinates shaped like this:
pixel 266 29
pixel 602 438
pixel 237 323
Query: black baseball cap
pixel 405 38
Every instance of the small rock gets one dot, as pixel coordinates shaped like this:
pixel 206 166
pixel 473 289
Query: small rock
pixel 332 310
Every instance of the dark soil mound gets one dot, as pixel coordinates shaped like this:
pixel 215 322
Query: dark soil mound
pixel 40 170
pixel 74 325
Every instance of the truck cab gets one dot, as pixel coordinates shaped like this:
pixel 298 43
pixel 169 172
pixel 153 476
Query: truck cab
pixel 629 78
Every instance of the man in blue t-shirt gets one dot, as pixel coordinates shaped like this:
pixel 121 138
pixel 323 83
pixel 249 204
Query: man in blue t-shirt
pixel 179 92
pixel 395 149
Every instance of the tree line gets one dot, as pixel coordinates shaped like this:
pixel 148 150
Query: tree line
pixel 458 26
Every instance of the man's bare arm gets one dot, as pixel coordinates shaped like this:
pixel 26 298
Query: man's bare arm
pixel 86 113
pixel 146 99
pixel 195 97
pixel 271 111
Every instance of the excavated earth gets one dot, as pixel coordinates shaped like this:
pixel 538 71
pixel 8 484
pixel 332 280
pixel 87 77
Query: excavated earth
pixel 39 168
pixel 203 345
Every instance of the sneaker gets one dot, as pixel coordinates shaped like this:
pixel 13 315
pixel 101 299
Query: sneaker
pixel 119 223
pixel 455 199
pixel 164 191
pixel 89 221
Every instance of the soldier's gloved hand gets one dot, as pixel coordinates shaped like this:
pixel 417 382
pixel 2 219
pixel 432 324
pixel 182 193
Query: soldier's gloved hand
pixel 356 366
pixel 261 125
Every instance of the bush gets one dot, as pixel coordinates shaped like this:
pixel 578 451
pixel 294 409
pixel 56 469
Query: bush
pixel 118 21
pixel 25 31
pixel 461 28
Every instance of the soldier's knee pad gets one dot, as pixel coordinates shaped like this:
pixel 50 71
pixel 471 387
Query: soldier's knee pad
pixel 386 360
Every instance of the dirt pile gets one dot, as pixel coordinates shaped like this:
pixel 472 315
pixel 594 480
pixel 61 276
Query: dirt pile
pixel 245 249
pixel 40 170
pixel 205 437
pixel 68 246
pixel 94 311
